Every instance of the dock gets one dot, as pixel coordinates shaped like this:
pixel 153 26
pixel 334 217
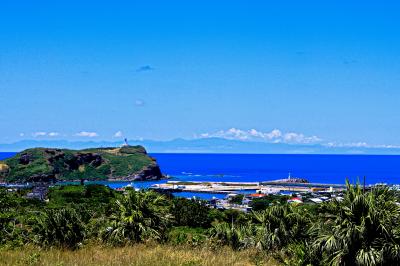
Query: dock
pixel 242 187
pixel 207 187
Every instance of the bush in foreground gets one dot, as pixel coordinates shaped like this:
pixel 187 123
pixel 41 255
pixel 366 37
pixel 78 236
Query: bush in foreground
pixel 362 229
pixel 139 216
pixel 62 228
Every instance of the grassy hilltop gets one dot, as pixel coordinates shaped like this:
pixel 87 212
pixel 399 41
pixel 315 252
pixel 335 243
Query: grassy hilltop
pixel 45 164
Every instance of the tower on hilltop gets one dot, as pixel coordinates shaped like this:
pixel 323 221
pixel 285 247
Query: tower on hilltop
pixel 125 143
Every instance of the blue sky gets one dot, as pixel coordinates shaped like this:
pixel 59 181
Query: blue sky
pixel 316 71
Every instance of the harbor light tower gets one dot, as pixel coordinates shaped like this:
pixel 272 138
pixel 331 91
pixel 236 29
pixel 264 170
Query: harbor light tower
pixel 125 143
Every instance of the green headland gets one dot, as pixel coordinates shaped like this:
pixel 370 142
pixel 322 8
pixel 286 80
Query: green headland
pixel 49 165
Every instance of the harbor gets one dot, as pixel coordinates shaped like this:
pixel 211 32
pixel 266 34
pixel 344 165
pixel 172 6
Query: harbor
pixel 274 187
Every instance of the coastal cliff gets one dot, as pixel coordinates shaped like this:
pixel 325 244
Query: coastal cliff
pixel 50 165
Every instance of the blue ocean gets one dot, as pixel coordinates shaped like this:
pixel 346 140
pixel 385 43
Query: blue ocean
pixel 331 169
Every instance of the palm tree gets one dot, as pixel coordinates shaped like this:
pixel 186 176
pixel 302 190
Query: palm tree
pixel 139 216
pixel 280 225
pixel 362 229
pixel 272 229
pixel 238 237
pixel 61 228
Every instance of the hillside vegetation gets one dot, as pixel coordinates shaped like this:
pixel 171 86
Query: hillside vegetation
pixel 95 225
pixel 44 164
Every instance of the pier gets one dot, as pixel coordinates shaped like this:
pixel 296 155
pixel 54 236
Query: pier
pixel 242 187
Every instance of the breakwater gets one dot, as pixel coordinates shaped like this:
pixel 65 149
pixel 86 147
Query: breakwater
pixel 231 187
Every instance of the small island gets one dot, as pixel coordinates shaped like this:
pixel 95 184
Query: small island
pixel 127 163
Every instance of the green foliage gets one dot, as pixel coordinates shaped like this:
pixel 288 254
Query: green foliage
pixel 98 199
pixel 6 202
pixel 234 216
pixel 10 234
pixel 236 236
pixel 64 164
pixel 269 200
pixel 271 229
pixel 66 195
pixel 236 199
pixel 14 209
pixel 190 213
pixel 280 225
pixel 298 254
pixel 73 194
pixel 187 236
pixel 139 216
pixel 126 164
pixel 39 165
pixel 362 229
pixel 132 150
pixel 61 228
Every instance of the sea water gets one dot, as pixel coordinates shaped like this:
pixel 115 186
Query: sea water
pixel 329 169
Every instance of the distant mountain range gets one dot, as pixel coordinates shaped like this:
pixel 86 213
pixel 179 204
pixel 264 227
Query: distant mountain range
pixel 202 145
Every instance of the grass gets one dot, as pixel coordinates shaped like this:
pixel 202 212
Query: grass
pixel 140 254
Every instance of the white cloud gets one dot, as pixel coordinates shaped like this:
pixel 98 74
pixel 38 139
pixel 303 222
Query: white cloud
pixel 299 138
pixel 276 133
pixel 42 134
pixel 231 133
pixel 87 134
pixel 21 134
pixel 275 136
pixel 357 144
pixel 118 134
pixel 39 134
pixel 388 146
pixel 347 145
pixel 360 144
pixel 53 134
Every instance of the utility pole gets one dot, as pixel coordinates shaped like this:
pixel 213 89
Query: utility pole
pixel 364 186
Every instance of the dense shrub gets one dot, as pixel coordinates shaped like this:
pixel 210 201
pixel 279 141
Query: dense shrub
pixel 187 236
pixel 138 216
pixel 191 213
pixel 267 201
pixel 60 228
pixel 361 229
pixel 236 236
